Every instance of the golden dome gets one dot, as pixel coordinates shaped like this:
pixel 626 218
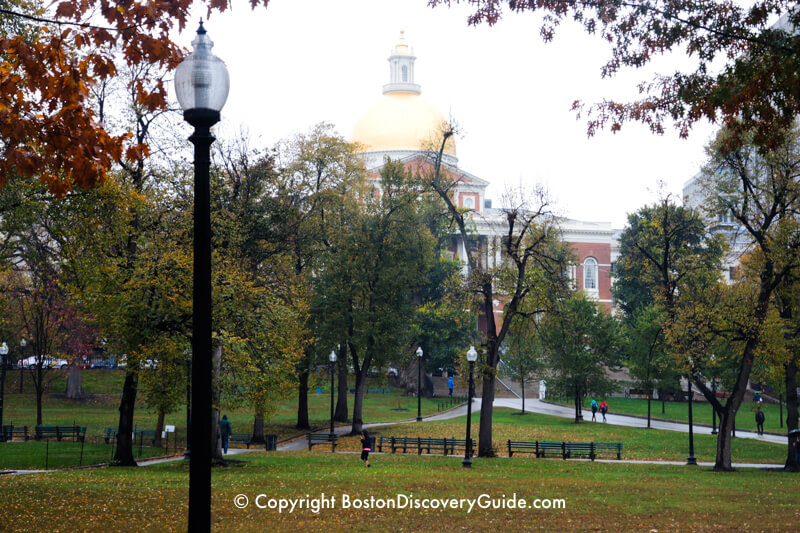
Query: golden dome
pixel 401 121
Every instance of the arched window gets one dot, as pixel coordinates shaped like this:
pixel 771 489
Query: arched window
pixel 590 274
pixel 405 73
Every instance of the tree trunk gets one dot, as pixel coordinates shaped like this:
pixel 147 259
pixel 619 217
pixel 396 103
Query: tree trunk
pixel 124 454
pixel 340 415
pixel 522 383
pixel 485 448
pixel 357 402
pixel 216 436
pixel 74 389
pixel 302 400
pixel 791 411
pixel 649 399
pixel 258 428
pixel 159 429
pixel 577 408
pixel 723 461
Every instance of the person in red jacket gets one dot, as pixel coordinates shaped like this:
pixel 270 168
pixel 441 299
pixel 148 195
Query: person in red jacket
pixel 604 409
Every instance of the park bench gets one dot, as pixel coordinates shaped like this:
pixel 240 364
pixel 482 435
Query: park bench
pixel 447 446
pixel 241 438
pixel 564 449
pixel 379 391
pixel 75 432
pixel 144 434
pixel 9 432
pixel 321 438
pixel 109 434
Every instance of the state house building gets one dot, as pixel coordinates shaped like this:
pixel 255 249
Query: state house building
pixel 401 122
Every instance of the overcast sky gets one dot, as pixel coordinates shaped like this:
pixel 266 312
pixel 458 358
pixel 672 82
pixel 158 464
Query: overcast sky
pixel 298 63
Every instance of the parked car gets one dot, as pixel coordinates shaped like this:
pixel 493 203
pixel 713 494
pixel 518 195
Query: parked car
pixel 108 363
pixel 48 362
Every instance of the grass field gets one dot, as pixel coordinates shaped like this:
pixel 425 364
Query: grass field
pixel 679 412
pixel 34 455
pixel 597 496
pixel 638 443
pixel 103 387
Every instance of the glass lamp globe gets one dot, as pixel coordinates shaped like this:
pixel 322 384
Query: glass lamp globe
pixel 201 80
pixel 332 356
pixel 472 355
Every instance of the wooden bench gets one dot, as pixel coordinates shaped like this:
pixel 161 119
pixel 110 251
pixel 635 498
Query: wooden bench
pixel 522 446
pixel 241 438
pixel 109 434
pixel 9 432
pixel 145 434
pixel 321 438
pixel 447 446
pixel 564 449
pixel 379 391
pixel 77 433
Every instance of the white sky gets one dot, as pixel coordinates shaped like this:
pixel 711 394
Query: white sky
pixel 298 63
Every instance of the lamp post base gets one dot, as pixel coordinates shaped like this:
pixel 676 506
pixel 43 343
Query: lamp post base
pixel 466 463
pixel 691 460
pixel 419 419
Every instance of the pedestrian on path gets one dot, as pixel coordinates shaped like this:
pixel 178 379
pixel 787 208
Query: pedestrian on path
pixel 450 385
pixel 594 410
pixel 365 446
pixel 760 420
pixel 226 430
pixel 604 409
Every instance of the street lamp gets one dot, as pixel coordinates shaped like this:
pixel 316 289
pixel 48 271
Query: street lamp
pixel 22 345
pixel 419 384
pixel 201 85
pixel 691 459
pixel 332 358
pixel 472 356
pixel 4 353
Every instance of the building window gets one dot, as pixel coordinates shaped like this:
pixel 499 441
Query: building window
pixel 590 274
pixel 405 73
pixel 469 202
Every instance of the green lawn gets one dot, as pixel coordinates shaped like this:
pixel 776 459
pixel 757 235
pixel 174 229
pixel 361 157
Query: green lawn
pixel 597 496
pixel 679 412
pixel 33 455
pixel 100 409
pixel 638 443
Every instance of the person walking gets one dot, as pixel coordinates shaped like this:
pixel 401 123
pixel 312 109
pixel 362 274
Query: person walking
pixel 450 385
pixel 366 446
pixel 760 420
pixel 226 430
pixel 603 409
pixel 594 410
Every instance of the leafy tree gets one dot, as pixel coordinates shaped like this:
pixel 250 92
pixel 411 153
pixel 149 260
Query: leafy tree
pixel 581 342
pixel 662 246
pixel 523 358
pixel 51 60
pixel 743 71
pixel 759 189
pixel 646 354
pixel 533 265
pixel 365 289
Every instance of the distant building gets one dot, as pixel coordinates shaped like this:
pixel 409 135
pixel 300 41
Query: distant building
pixel 403 126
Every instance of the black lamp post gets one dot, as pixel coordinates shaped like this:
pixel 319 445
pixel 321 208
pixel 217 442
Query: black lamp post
pixel 419 384
pixel 201 84
pixel 332 358
pixel 22 345
pixel 691 459
pixel 713 411
pixel 472 356
pixel 187 453
pixel 4 353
